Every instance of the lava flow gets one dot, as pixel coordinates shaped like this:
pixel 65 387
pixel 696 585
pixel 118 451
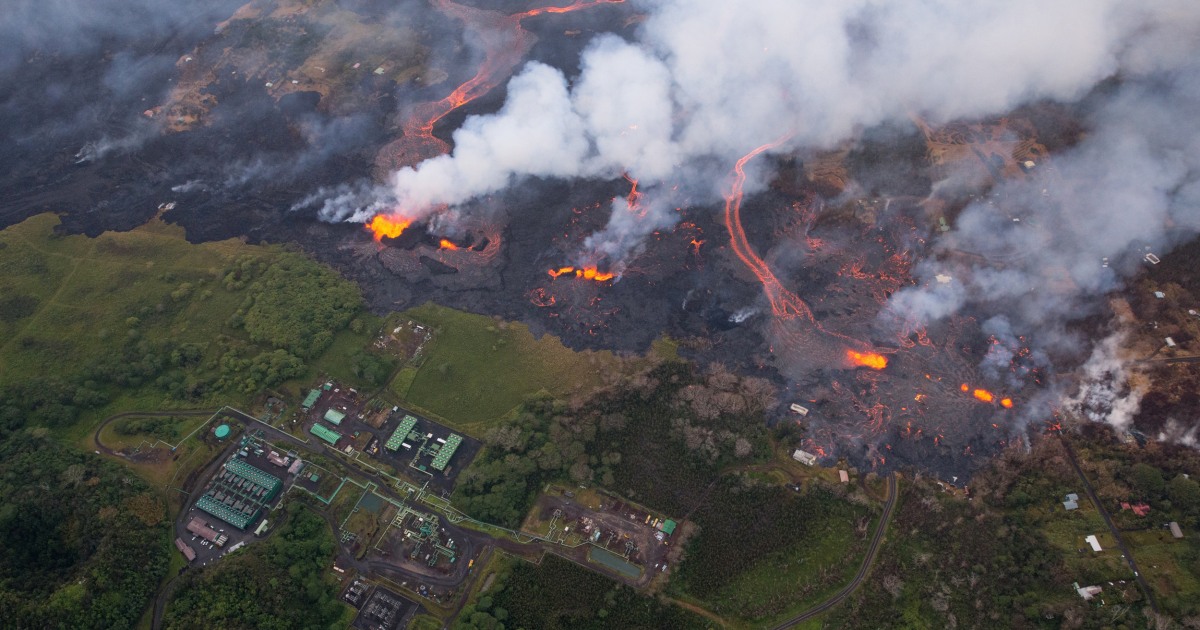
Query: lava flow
pixel 586 273
pixel 447 244
pixel 785 305
pixel 507 42
pixel 388 225
pixel 983 395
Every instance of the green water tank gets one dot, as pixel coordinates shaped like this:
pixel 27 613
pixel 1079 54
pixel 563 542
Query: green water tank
pixel 222 432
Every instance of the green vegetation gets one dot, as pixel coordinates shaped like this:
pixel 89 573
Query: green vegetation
pixel 278 584
pixel 603 440
pixel 83 544
pixel 297 306
pixel 479 369
pixel 143 319
pixel 763 550
pixel 561 594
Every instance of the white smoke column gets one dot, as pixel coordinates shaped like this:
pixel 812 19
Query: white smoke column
pixel 1106 391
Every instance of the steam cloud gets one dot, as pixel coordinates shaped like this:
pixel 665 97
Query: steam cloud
pixel 709 80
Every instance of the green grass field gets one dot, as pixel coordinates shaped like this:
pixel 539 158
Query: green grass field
pixel 79 297
pixel 67 302
pixel 478 369
pixel 1170 566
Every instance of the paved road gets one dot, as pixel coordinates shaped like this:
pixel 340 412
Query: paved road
pixel 872 551
pixel 1087 487
pixel 140 414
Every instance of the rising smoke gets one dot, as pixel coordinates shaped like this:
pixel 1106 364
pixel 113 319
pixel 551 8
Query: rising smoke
pixel 708 80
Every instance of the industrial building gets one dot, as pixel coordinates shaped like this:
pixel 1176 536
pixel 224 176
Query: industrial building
pixel 401 433
pixel 238 494
pixel 328 435
pixel 185 549
pixel 198 527
pixel 334 417
pixel 445 452
pixel 311 399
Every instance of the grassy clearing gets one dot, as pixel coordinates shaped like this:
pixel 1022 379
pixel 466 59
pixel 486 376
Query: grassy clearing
pixel 478 369
pixel 68 303
pixel 1169 565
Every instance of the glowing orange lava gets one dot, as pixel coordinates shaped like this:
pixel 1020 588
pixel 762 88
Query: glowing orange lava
pixel 983 395
pixel 388 225
pixel 785 305
pixel 506 44
pixel 1007 403
pixel 447 244
pixel 586 273
pixel 873 360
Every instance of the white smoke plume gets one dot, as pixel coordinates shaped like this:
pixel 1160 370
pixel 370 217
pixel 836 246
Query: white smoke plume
pixel 707 80
pixel 1106 393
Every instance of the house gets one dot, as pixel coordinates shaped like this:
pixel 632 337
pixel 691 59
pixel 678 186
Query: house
pixel 1140 509
pixel 1071 502
pixel 800 409
pixel 844 476
pixel 1094 542
pixel 1175 531
pixel 1087 592
pixel 804 457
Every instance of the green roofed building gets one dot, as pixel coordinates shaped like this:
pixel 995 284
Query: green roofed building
pixel 239 518
pixel 446 452
pixel 269 482
pixel 334 417
pixel 326 434
pixel 668 527
pixel 311 399
pixel 400 433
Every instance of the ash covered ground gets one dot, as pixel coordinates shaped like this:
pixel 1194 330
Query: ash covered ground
pixel 970 249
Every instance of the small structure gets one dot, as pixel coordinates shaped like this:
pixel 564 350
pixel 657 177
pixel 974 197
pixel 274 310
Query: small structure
pixel 1160 295
pixel 262 527
pixel 1152 259
pixel 294 469
pixel 222 432
pixel 1071 502
pixel 1094 542
pixel 1140 509
pixel 1170 342
pixel 844 476
pixel 276 459
pixel 804 457
pixel 334 417
pixel 185 549
pixel 1087 592
pixel 800 409
pixel 1175 531
pixel 668 527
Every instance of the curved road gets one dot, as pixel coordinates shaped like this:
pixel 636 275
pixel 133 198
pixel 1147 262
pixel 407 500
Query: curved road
pixel 872 551
pixel 140 414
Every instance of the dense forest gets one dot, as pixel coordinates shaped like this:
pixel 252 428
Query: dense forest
pixel 278 584
pixel 762 547
pixel 560 594
pixel 701 422
pixel 83 542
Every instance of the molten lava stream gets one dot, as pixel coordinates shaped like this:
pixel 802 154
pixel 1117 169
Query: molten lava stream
pixel 389 225
pixel 507 42
pixel 785 305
